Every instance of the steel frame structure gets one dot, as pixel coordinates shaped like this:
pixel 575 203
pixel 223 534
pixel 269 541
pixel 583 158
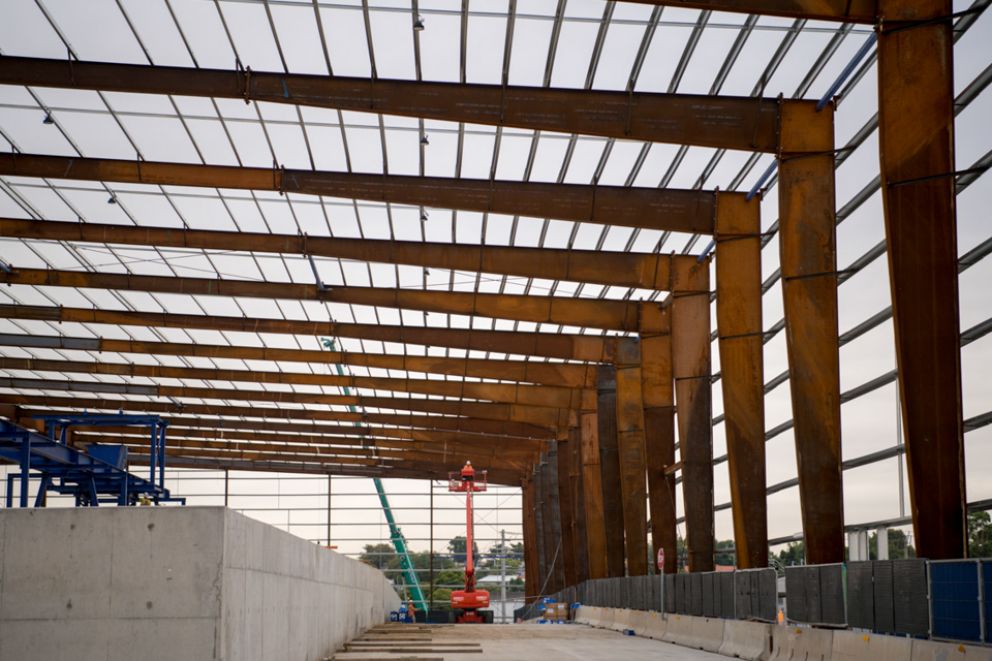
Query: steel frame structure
pixel 583 439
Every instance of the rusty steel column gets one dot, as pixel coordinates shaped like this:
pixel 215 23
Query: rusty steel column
pixel 659 432
pixel 592 480
pixel 609 461
pixel 807 241
pixel 691 371
pixel 633 455
pixel 577 485
pixel 543 524
pixel 531 563
pixel 553 538
pixel 916 140
pixel 565 512
pixel 738 319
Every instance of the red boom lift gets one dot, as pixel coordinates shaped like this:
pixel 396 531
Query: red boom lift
pixel 467 603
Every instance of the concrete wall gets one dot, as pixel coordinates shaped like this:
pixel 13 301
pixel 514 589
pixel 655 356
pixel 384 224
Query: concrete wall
pixel 175 583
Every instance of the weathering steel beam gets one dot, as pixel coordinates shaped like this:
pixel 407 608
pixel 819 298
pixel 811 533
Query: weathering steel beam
pixel 552 345
pixel 808 255
pixel 609 462
pixel 847 11
pixel 565 375
pixel 738 313
pixel 438 422
pixel 592 482
pixel 649 208
pixel 624 269
pixel 632 454
pixel 744 123
pixel 593 313
pixel 552 396
pixel 916 143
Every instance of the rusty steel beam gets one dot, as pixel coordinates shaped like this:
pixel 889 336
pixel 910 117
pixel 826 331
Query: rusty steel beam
pixel 442 455
pixel 411 470
pixel 592 481
pixel 490 449
pixel 552 345
pixel 551 418
pixel 658 389
pixel 609 461
pixel 916 142
pixel 632 452
pixel 577 499
pixel 625 269
pixel 566 517
pixel 557 374
pixel 694 407
pixel 724 122
pixel 847 11
pixel 554 512
pixel 651 208
pixel 738 314
pixel 594 313
pixel 515 393
pixel 436 422
pixel 808 255
pixel 233 426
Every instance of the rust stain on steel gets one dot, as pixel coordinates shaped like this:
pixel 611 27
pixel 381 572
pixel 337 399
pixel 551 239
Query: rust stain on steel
pixel 577 486
pixel 553 345
pixel 807 243
pixel 691 371
pixel 594 313
pixel 723 122
pixel 659 433
pixel 609 461
pixel 652 208
pixel 439 422
pixel 848 11
pixel 738 313
pixel 633 455
pixel 916 140
pixel 645 270
pixel 510 393
pixel 592 481
pixel 566 514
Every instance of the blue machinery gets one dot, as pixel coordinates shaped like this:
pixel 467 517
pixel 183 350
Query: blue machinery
pixel 95 475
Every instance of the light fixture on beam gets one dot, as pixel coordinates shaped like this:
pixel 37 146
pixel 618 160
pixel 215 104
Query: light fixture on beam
pixel 112 199
pixel 418 23
pixel 423 215
pixel 424 140
pixel 48 119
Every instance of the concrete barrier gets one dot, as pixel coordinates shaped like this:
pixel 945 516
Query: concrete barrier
pixel 679 630
pixel 707 633
pixel 860 646
pixel 622 619
pixel 649 624
pixel 791 642
pixel 929 650
pixel 747 640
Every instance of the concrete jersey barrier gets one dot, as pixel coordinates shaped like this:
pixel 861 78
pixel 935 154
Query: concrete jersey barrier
pixel 747 640
pixel 791 642
pixel 929 650
pixel 860 646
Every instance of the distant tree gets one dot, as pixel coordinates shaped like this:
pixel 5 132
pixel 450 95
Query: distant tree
pixel 899 546
pixel 456 546
pixel 517 550
pixel 726 553
pixel 979 535
pixel 380 556
pixel 793 554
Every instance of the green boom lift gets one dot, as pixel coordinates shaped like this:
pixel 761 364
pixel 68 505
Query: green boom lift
pixel 395 535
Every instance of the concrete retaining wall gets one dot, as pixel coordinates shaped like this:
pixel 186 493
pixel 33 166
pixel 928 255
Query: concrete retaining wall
pixel 175 583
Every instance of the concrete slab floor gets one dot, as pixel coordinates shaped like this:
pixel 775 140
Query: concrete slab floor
pixel 540 642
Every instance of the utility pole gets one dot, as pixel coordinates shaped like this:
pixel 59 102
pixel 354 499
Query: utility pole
pixel 502 576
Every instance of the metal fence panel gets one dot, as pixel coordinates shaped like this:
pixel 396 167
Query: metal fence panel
pixel 795 594
pixel 670 593
pixel 954 593
pixel 709 603
pixel 695 594
pixel 884 595
pixel 832 610
pixel 766 606
pixel 726 608
pixel 682 594
pixel 909 587
pixel 987 594
pixel 860 595
pixel 742 594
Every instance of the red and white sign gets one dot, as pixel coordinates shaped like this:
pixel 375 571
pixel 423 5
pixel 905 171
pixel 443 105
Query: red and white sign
pixel 661 560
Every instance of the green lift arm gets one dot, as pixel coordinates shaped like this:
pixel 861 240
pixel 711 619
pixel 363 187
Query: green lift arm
pixel 395 535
